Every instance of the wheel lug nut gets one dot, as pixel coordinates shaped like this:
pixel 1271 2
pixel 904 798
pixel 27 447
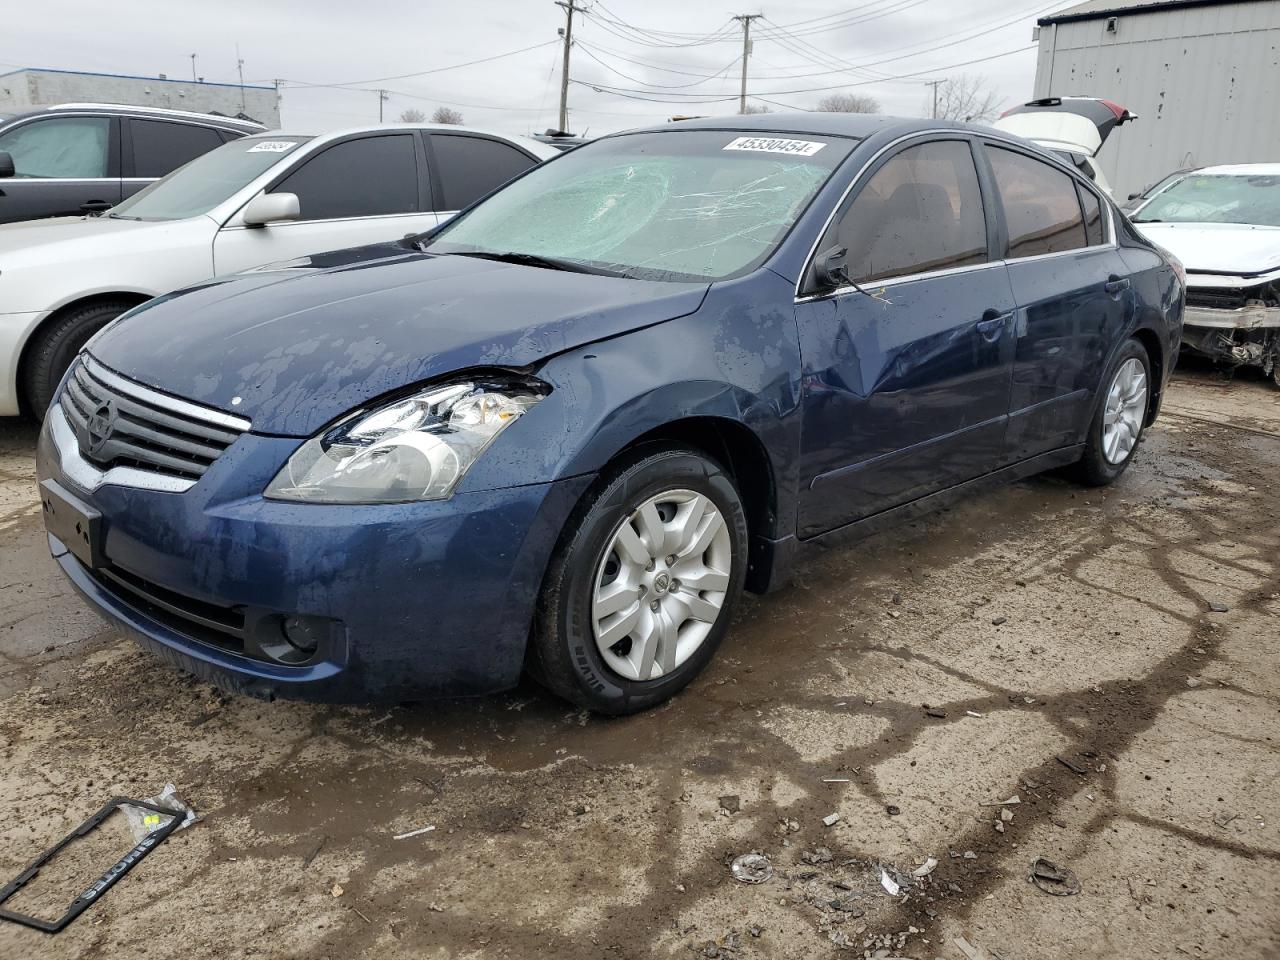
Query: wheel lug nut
pixel 671 559
pixel 643 589
pixel 649 565
pixel 654 605
pixel 675 585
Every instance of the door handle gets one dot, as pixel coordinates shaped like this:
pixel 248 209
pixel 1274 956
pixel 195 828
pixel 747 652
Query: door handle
pixel 95 206
pixel 1116 286
pixel 991 326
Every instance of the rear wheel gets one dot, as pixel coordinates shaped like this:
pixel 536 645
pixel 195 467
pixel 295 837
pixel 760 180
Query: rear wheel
pixel 1120 418
pixel 642 587
pixel 55 346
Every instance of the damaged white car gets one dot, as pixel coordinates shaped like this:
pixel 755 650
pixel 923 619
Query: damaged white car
pixel 1223 223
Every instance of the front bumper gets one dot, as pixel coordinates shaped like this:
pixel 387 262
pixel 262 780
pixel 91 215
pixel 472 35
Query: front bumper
pixel 423 599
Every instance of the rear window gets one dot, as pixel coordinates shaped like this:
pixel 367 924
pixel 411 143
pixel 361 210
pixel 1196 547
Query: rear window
pixel 1092 218
pixel 1040 205
pixel 470 167
pixel 160 147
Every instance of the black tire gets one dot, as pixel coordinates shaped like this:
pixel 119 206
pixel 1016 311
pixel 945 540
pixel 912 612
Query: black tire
pixel 562 651
pixel 56 345
pixel 1094 469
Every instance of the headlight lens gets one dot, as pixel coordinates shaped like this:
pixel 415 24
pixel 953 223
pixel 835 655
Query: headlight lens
pixel 417 448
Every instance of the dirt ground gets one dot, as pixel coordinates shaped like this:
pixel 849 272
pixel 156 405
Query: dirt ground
pixel 1042 642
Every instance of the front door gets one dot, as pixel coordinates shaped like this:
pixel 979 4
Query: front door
pixel 906 375
pixel 363 190
pixel 65 166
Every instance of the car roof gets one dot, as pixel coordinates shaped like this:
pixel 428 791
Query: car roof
pixel 1243 170
pixel 528 143
pixel 214 119
pixel 860 125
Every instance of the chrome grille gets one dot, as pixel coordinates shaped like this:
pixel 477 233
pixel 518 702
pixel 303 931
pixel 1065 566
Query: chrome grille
pixel 118 422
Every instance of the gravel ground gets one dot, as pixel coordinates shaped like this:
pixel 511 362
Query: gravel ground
pixel 1041 642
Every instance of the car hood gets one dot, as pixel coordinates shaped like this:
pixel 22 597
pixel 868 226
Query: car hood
pixel 1234 248
pixel 72 238
pixel 294 347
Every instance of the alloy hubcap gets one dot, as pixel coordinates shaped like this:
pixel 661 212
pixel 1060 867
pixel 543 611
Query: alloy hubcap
pixel 1125 410
pixel 661 584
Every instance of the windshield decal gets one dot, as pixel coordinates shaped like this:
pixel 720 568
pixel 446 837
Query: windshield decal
pixel 800 148
pixel 272 146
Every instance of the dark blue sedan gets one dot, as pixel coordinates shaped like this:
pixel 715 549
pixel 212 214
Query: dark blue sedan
pixel 563 432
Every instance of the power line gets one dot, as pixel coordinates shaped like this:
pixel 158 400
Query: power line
pixel 423 73
pixel 657 86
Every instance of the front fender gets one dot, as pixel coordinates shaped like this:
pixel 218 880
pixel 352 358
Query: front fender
pixel 735 359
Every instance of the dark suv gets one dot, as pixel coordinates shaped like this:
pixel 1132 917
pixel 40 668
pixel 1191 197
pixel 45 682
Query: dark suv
pixel 80 158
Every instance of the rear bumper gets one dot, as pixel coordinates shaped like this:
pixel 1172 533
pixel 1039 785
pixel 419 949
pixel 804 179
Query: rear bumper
pixel 418 600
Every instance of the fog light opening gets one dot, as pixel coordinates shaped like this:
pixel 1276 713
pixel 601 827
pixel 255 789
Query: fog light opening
pixel 300 634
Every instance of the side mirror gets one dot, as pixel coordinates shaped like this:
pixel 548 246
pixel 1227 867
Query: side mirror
pixel 831 268
pixel 1134 196
pixel 7 169
pixel 271 208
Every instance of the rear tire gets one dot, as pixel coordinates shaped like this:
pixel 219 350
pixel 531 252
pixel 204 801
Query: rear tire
pixel 609 583
pixel 55 346
pixel 1120 419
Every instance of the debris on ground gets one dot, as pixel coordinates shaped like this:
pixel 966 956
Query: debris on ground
pixel 999 621
pixel 890 885
pixel 968 949
pixel 925 868
pixel 893 809
pixel 817 856
pixel 831 819
pixel 1050 878
pixel 1072 765
pixel 936 712
pixel 1217 606
pixel 730 803
pixel 337 890
pixel 414 833
pixel 1015 799
pixel 752 868
pixel 143 822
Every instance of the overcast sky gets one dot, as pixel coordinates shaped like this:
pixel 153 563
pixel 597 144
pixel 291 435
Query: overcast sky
pixel 868 47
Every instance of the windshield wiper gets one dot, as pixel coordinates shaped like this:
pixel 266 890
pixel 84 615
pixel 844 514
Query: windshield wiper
pixel 536 260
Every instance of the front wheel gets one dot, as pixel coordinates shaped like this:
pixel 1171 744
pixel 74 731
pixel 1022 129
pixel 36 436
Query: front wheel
pixel 642 587
pixel 1120 418
pixel 54 347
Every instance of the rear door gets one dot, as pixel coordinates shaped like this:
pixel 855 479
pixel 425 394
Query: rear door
pixel 66 166
pixel 1072 293
pixel 466 167
pixel 154 148
pixel 906 376
pixel 364 189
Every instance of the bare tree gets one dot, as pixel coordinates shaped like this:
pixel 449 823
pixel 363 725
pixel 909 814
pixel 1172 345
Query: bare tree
pixel 412 115
pixel 446 115
pixel 757 108
pixel 966 97
pixel 849 103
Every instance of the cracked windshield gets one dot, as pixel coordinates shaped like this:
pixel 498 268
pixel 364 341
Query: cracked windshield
pixel 681 206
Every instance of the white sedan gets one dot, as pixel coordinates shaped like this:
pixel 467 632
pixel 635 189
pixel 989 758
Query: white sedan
pixel 1223 223
pixel 257 200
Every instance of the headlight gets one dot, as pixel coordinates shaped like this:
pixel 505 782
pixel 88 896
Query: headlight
pixel 417 448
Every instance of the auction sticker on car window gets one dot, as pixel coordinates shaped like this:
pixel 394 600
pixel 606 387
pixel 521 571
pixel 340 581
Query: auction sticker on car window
pixel 797 148
pixel 272 146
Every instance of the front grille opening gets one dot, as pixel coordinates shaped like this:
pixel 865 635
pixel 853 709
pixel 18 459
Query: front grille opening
pixel 144 433
pixel 208 623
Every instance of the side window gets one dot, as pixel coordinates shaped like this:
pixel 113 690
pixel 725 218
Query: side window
pixel 1040 205
pixel 919 212
pixel 64 147
pixel 1092 217
pixel 470 167
pixel 160 147
pixel 373 176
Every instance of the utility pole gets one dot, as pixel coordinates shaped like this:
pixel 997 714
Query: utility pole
pixel 567 34
pixel 935 84
pixel 745 19
pixel 240 69
pixel 193 66
pixel 383 97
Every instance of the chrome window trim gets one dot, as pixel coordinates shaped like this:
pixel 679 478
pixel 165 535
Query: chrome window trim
pixel 895 281
pixel 299 223
pixel 909 277
pixel 163 400
pixel 89 478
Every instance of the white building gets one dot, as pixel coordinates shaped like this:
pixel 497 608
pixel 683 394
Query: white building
pixel 1203 76
pixel 31 88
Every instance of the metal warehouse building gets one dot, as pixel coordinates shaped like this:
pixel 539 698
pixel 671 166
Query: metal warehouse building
pixel 29 88
pixel 1203 76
